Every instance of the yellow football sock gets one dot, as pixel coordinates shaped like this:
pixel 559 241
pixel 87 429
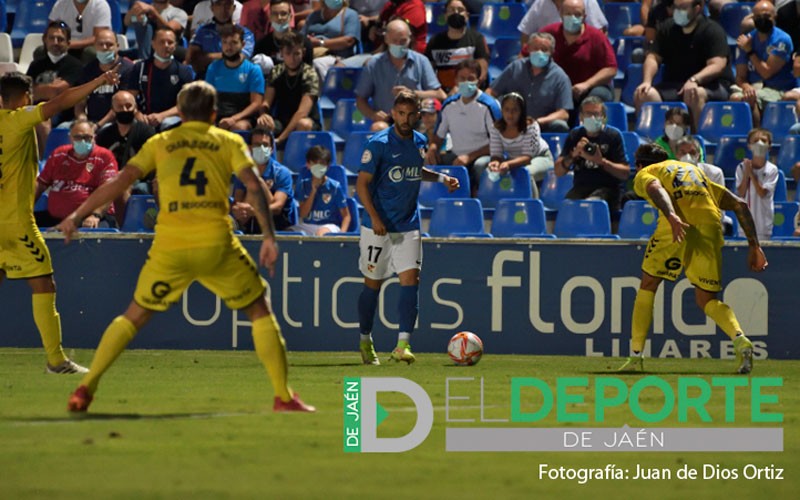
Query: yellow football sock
pixel 723 316
pixel 271 350
pixel 642 317
pixel 116 337
pixel 48 322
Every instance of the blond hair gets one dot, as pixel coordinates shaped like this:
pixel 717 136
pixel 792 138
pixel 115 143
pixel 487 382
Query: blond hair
pixel 197 101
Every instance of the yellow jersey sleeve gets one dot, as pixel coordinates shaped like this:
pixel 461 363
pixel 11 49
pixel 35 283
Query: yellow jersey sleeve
pixel 642 179
pixel 716 191
pixel 145 159
pixel 240 155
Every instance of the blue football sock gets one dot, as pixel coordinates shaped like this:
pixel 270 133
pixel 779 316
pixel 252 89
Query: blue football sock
pixel 367 303
pixel 408 308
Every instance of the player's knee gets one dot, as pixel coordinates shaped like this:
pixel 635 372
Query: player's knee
pixel 258 309
pixel 42 284
pixel 305 125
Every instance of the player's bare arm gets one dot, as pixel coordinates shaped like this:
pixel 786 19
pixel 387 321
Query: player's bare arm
pixel 756 260
pixel 74 95
pixel 431 176
pixel 101 197
pixel 362 188
pixel 257 197
pixel 663 202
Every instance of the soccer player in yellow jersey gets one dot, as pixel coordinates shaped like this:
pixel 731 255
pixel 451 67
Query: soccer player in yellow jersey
pixel 23 253
pixel 688 235
pixel 194 238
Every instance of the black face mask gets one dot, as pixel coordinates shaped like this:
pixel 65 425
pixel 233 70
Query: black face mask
pixel 763 24
pixel 124 117
pixel 456 21
pixel 231 58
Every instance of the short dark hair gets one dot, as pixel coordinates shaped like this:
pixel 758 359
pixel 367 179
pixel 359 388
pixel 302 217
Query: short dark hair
pixel 470 64
pixel 14 85
pixel 448 2
pixel 59 25
pixel 230 30
pixel 291 40
pixel 261 131
pixel 166 28
pixel 276 2
pixel 679 111
pixel 406 97
pixel 648 154
pixel 318 154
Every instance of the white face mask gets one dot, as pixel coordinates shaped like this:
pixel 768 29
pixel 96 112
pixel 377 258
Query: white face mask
pixel 55 58
pixel 759 149
pixel 261 154
pixel 674 132
pixel 318 170
pixel 687 158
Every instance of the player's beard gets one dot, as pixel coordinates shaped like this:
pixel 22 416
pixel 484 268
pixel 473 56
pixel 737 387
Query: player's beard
pixel 404 130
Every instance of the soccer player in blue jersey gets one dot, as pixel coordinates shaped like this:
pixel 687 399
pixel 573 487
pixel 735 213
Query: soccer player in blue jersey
pixel 388 186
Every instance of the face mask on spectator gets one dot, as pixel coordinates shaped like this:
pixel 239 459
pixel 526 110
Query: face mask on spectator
pixel 493 176
pixel 592 124
pixel 673 131
pixel 572 24
pixel 467 89
pixel 398 51
pixel 280 27
pixel 688 158
pixel 162 59
pixel 318 170
pixel 106 56
pixel 54 58
pixel 334 4
pixel 82 147
pixel 456 21
pixel 125 117
pixel 681 17
pixel 539 59
pixel 261 154
pixel 759 149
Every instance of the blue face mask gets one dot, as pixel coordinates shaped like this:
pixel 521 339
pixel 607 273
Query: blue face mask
pixel 592 124
pixel 398 51
pixel 280 28
pixel 681 17
pixel 261 154
pixel 334 4
pixel 572 24
pixel 82 147
pixel 539 59
pixel 467 89
pixel 162 59
pixel 106 56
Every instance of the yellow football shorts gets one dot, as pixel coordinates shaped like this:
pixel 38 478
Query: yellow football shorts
pixel 226 270
pixel 23 252
pixel 700 253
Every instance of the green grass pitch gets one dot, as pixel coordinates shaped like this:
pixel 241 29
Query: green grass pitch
pixel 198 424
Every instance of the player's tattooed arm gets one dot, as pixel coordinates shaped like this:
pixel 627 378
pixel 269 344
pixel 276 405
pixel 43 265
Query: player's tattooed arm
pixel 730 201
pixel 660 198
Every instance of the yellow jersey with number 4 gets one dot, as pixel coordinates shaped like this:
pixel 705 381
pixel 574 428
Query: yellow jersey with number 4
pixel 695 198
pixel 19 163
pixel 193 164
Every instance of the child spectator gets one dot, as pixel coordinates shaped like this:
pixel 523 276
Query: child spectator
pixel 323 201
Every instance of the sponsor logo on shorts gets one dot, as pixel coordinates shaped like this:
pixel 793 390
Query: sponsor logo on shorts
pixel 707 281
pixel 673 263
pixel 160 289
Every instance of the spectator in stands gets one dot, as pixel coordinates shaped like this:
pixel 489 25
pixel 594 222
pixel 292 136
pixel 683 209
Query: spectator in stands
pixel 794 94
pixel 291 96
pixel 695 54
pixel 544 12
pixel 268 49
pixel 85 19
pixel 656 16
pixel 467 116
pixel 429 116
pixel 124 137
pixel 756 180
pixel 516 142
pixel 146 18
pixel 280 194
pixel 302 9
pixel 596 153
pixel 458 43
pixel 677 125
pixel 323 201
pixel 203 13
pixel 583 52
pixel 334 32
pixel 542 82
pixel 763 62
pixel 255 17
pixel 97 107
pixel 412 12
pixel 239 83
pixel 53 73
pixel 156 81
pixel 206 44
pixel 72 173
pixel 388 73
pixel 368 13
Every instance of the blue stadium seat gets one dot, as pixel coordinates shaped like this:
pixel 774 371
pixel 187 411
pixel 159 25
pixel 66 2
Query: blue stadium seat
pixel 135 212
pixel 3 19
pixel 554 189
pixel 348 119
pixel 555 142
pixel 623 49
pixel 515 184
pixel 516 218
pixel 434 16
pixel 41 203
pixel 780 188
pixel 354 149
pixel 504 51
pixel 621 16
pixel 58 137
pixel 652 117
pixel 783 222
pixel 789 153
pixel 731 18
pixel 500 19
pixel 632 142
pixel 778 118
pixel 732 149
pixel 98 230
pixel 724 118
pixel 340 83
pixel 116 15
pixel 457 217
pixel 294 156
pixel 429 192
pixel 11 6
pixel 638 220
pixel 355 216
pixel 633 78
pixel 584 219
pixel 31 17
pixel 617 116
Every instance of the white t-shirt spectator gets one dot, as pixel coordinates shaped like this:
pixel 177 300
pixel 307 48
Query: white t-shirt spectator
pixel 202 13
pixel 762 207
pixel 544 12
pixel 96 14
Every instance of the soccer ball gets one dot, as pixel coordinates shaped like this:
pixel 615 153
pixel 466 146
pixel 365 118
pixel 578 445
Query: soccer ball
pixel 465 349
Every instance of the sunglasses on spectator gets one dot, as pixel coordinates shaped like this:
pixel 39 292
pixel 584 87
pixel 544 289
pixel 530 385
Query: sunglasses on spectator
pixel 83 137
pixel 79 20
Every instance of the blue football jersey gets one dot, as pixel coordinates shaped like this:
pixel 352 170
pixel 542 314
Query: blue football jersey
pixel 329 200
